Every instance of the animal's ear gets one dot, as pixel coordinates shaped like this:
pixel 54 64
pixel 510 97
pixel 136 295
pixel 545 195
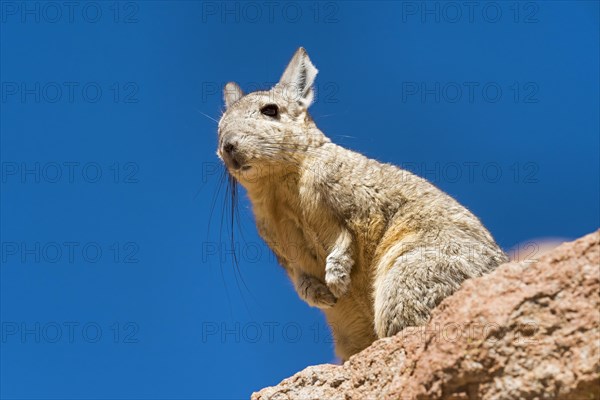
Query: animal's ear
pixel 298 78
pixel 232 93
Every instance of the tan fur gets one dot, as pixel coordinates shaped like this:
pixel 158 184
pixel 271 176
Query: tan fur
pixel 374 246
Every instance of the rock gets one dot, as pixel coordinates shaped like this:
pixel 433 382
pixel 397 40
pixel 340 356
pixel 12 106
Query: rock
pixel 526 330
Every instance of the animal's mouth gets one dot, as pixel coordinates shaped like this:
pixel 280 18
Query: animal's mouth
pixel 236 165
pixel 233 161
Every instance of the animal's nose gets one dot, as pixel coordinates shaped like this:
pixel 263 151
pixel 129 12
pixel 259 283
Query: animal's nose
pixel 230 152
pixel 228 147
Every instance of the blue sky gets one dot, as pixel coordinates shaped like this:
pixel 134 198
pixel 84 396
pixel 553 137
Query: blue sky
pixel 113 284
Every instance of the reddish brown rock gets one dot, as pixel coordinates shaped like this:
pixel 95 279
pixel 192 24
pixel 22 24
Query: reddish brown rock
pixel 524 331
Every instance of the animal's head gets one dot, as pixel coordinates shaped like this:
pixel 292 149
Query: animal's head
pixel 267 130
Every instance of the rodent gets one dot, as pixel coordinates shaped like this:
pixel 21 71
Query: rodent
pixel 374 246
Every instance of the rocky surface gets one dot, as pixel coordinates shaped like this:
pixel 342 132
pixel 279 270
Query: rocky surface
pixel 527 330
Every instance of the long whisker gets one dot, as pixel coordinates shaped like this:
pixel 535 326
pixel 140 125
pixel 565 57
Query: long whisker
pixel 214 198
pixel 216 192
pixel 208 116
pixel 234 212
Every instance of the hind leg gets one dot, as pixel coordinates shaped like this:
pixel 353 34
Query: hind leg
pixel 397 304
pixel 409 287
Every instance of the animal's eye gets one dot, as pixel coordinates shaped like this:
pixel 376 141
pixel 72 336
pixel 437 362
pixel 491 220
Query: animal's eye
pixel 270 109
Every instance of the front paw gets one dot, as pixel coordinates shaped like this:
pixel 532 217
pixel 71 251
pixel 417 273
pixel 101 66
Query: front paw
pixel 337 275
pixel 315 292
